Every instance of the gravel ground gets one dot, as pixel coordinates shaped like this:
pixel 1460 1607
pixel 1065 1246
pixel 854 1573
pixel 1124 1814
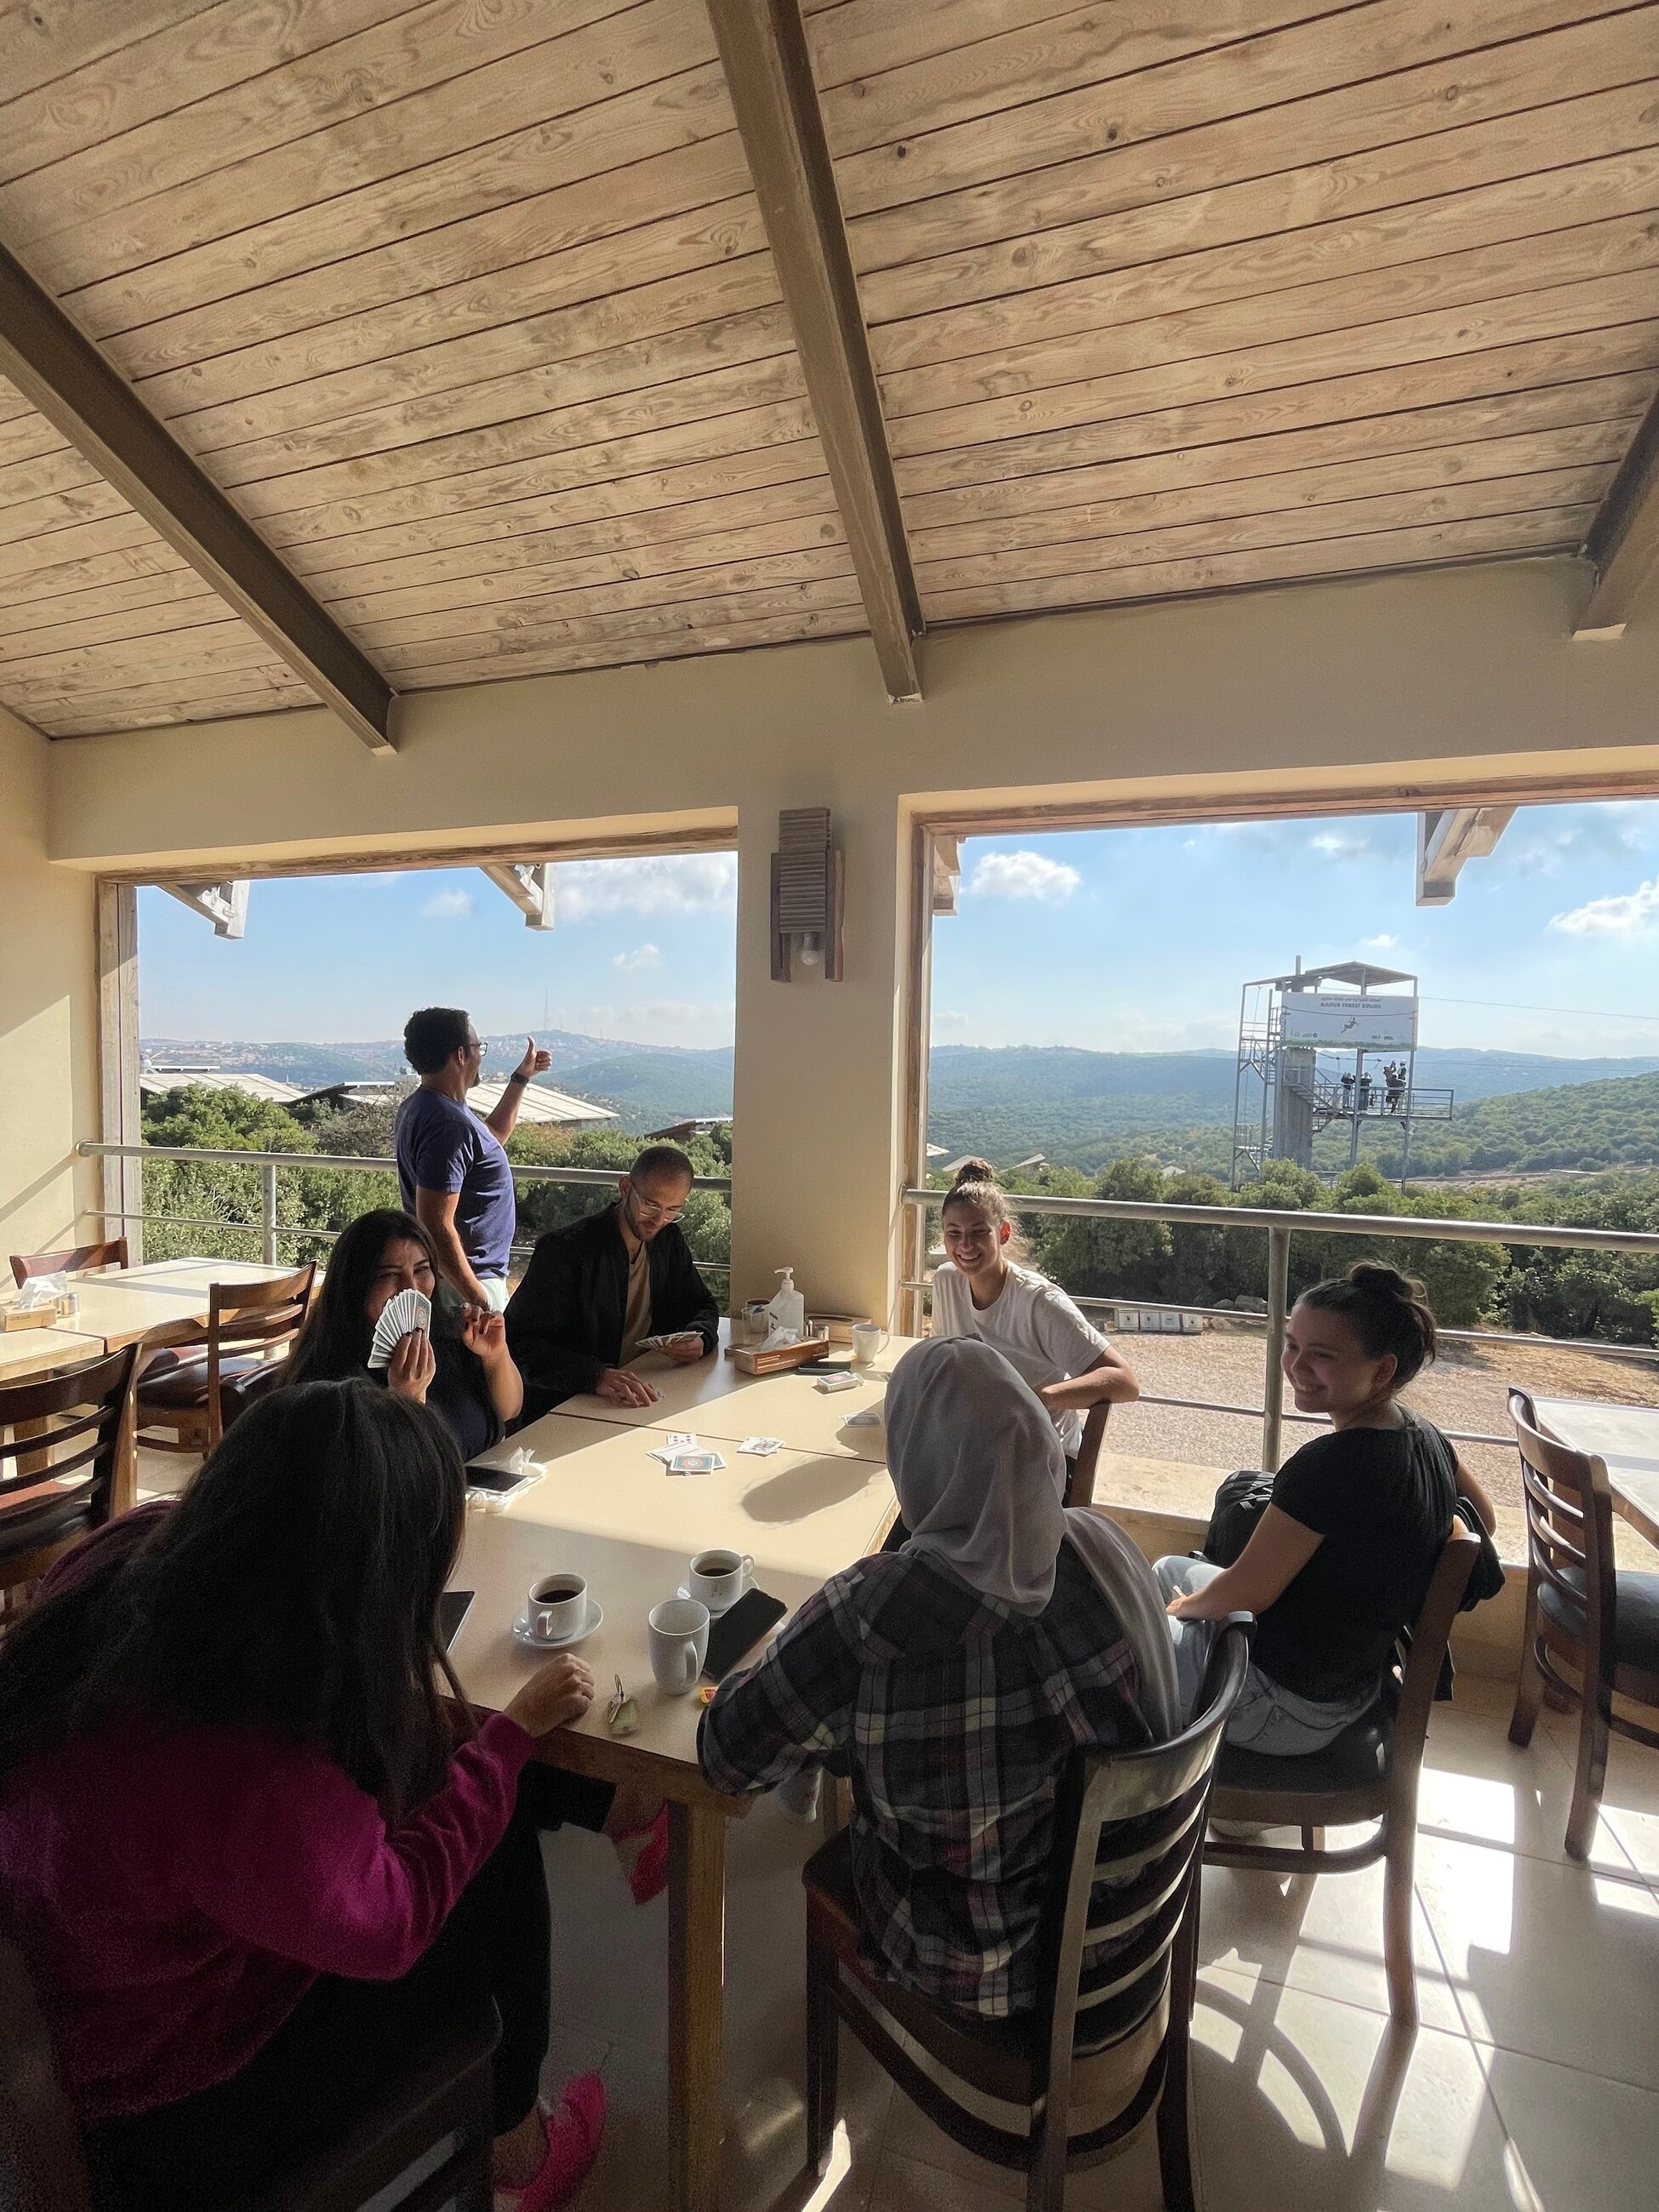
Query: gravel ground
pixel 1465 1389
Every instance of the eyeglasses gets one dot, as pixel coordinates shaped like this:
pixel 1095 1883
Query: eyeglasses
pixel 648 1210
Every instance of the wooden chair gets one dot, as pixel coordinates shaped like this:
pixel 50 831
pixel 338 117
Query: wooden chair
pixel 1116 2045
pixel 1581 1610
pixel 61 1441
pixel 179 1392
pixel 1081 1482
pixel 442 2098
pixel 75 1259
pixel 1368 1775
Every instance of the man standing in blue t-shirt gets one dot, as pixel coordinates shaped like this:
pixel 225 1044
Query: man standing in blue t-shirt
pixel 453 1173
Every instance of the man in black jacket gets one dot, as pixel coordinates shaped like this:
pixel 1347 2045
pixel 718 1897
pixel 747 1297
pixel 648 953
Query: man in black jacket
pixel 596 1288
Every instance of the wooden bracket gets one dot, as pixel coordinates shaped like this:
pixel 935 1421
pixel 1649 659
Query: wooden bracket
pixel 529 885
pixel 225 905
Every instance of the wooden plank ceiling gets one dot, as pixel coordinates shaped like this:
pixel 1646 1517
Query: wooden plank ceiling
pixel 1171 297
pixel 470 310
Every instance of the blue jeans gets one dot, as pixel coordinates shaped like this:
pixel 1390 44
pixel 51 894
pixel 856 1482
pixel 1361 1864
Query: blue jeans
pixel 1267 1717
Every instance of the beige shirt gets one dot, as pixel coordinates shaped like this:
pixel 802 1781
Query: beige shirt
pixel 636 1314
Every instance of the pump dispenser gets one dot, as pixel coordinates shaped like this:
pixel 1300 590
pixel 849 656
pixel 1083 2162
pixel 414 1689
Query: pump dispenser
pixel 787 1308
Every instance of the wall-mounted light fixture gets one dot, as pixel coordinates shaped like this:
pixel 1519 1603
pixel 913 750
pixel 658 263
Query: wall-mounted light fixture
pixel 808 875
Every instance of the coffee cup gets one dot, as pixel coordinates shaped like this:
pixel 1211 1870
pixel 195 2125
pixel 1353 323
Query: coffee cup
pixel 869 1337
pixel 679 1643
pixel 557 1608
pixel 717 1578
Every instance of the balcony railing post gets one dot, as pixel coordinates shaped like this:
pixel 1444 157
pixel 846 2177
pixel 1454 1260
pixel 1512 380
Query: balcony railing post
pixel 269 1173
pixel 1272 1392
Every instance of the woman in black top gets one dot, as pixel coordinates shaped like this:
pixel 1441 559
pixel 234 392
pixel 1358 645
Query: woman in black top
pixel 462 1372
pixel 1340 1561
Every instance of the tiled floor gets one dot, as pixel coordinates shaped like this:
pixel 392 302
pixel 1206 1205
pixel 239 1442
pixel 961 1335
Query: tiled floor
pixel 1532 2085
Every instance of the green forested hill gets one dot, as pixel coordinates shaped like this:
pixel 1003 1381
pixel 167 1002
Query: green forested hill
pixel 1577 1125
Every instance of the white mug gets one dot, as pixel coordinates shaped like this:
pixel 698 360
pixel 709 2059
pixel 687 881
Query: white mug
pixel 557 1608
pixel 679 1643
pixel 869 1337
pixel 717 1578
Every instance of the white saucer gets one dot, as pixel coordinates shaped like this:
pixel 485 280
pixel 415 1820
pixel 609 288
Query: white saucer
pixel 715 1611
pixel 595 1615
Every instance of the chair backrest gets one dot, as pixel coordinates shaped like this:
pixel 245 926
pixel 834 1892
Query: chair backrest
pixel 1135 1821
pixel 256 1317
pixel 1431 1635
pixel 1569 1505
pixel 75 1260
pixel 41 2166
pixel 61 1443
pixel 1080 1486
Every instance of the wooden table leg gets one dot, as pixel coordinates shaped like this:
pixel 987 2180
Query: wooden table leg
pixel 696 1984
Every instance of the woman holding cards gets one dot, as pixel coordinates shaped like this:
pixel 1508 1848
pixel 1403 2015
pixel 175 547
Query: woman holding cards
pixel 460 1371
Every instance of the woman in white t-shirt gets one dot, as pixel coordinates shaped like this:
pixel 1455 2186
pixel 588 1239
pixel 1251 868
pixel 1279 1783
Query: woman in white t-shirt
pixel 983 1290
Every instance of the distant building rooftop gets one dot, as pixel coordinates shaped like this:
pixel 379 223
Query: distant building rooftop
pixel 540 1103
pixel 153 1082
pixel 679 1132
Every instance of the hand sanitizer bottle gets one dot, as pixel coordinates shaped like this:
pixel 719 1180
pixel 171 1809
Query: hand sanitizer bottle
pixel 787 1307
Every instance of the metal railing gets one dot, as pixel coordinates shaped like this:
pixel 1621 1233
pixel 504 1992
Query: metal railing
pixel 271 1164
pixel 1281 1224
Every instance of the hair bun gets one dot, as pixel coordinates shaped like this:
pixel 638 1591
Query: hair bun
pixel 1375 1276
pixel 974 1171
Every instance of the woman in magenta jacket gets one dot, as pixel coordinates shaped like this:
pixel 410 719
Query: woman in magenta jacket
pixel 248 1850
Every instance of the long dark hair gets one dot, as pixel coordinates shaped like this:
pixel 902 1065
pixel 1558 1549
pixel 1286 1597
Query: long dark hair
pixel 334 1344
pixel 1388 1312
pixel 293 1589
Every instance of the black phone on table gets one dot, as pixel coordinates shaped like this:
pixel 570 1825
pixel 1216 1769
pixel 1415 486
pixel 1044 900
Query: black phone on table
pixel 734 1633
pixel 452 1612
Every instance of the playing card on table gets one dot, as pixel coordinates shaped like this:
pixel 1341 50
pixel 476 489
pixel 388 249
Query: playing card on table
pixel 400 1317
pixel 761 1447
pixel 696 1463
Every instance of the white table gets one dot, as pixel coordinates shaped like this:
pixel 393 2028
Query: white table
pixel 603 1508
pixel 719 1401
pixel 1627 1437
pixel 799 1512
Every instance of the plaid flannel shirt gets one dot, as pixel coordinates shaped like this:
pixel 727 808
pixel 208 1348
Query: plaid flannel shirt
pixel 956 1716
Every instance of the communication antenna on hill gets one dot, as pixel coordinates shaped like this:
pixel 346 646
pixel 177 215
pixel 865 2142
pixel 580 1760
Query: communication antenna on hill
pixel 1323 1048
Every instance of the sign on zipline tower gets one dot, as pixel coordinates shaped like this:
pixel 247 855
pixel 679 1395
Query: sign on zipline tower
pixel 1324 1048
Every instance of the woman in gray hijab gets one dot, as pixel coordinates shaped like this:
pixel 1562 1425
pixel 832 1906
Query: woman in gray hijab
pixel 954 1680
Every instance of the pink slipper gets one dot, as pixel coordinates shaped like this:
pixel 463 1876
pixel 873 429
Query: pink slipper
pixel 648 1875
pixel 575 2129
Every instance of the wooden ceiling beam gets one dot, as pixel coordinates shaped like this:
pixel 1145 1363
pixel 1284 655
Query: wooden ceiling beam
pixel 89 402
pixel 768 73
pixel 1623 542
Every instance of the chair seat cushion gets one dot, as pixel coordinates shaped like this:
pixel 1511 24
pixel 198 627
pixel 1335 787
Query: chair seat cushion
pixel 1357 1759
pixel 1635 1620
pixel 182 1384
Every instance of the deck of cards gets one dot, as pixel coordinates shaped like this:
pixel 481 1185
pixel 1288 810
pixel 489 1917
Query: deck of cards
pixel 400 1317
pixel 681 1454
pixel 761 1447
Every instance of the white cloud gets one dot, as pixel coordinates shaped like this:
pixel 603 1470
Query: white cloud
pixel 1625 914
pixel 657 883
pixel 642 956
pixel 1023 876
pixel 1381 943
pixel 448 906
pixel 1337 847
pixel 947 1023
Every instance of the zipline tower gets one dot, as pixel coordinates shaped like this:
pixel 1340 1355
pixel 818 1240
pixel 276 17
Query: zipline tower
pixel 1326 1047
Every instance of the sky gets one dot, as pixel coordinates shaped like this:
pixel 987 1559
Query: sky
pixel 1138 940
pixel 643 949
pixel 1115 939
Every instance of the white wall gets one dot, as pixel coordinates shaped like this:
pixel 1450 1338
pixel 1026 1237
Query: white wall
pixel 48 1028
pixel 1421 684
